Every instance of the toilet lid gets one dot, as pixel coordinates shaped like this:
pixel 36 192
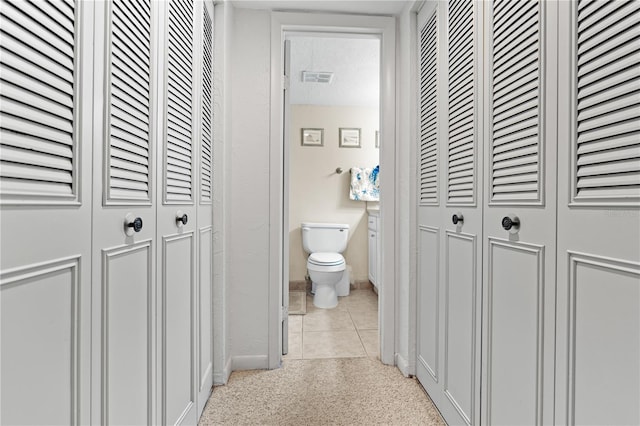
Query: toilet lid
pixel 327 259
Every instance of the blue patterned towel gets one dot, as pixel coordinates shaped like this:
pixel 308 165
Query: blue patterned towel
pixel 365 184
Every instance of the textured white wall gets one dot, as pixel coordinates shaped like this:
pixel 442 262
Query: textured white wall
pixel 406 196
pixel 247 209
pixel 317 193
pixel 355 63
pixel 223 27
pixel 248 203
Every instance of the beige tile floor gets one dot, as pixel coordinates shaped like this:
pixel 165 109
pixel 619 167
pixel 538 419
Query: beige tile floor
pixel 349 330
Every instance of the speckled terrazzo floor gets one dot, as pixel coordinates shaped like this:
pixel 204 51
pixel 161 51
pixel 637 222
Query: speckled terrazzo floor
pixel 345 391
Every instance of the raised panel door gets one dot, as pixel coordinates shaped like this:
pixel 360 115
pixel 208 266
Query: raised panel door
pixel 45 216
pixel 124 213
pixel 177 227
pixel 520 212
pixel 598 295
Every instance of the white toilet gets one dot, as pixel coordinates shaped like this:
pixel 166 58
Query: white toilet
pixel 327 269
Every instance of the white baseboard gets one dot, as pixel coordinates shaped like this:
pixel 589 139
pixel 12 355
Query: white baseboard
pixel 250 362
pixel 403 365
pixel 222 377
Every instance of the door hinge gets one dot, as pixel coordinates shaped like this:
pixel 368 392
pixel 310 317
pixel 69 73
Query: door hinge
pixel 286 82
pixel 284 313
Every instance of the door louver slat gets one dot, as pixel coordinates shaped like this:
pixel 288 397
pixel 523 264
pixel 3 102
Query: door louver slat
pixel 178 183
pixel 428 114
pixel 130 92
pixel 206 164
pixel 38 151
pixel 607 127
pixel 515 144
pixel 461 130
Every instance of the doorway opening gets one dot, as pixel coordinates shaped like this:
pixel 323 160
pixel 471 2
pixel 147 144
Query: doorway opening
pixel 383 28
pixel 332 156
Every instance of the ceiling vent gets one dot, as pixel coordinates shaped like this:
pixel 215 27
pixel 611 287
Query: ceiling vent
pixel 316 77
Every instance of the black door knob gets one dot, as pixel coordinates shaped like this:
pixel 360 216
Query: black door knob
pixel 457 219
pixel 182 219
pixel 510 222
pixel 136 224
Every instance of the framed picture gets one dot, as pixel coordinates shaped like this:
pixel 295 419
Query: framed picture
pixel 312 137
pixel 349 137
pixel 377 139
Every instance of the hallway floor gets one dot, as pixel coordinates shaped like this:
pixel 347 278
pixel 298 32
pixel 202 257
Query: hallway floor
pixel 339 391
pixel 331 376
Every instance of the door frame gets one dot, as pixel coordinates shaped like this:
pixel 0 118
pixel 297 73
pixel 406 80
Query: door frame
pixel 385 28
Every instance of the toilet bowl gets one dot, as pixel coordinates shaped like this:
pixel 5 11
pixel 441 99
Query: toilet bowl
pixel 327 268
pixel 326 271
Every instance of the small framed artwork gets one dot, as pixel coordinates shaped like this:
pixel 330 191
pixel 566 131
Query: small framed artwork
pixel 349 137
pixel 312 137
pixel 377 139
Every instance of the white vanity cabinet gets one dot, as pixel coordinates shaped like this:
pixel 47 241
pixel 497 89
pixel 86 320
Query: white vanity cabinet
pixel 373 247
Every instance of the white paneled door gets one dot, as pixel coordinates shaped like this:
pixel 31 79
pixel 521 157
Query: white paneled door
pixel 177 225
pixel 106 190
pixel 519 213
pixel 555 101
pixel 450 208
pixel 124 213
pixel 204 343
pixel 598 299
pixel 45 222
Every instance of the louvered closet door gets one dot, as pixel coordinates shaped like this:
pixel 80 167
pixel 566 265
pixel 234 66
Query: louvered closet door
pixel 179 195
pixel 598 299
pixel 45 198
pixel 124 224
pixel 428 148
pixel 205 210
pixel 449 248
pixel 520 175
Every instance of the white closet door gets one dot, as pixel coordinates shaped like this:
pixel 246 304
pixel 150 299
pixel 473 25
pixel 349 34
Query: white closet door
pixel 45 196
pixel 520 177
pixel 598 299
pixel 450 209
pixel 177 226
pixel 430 115
pixel 205 211
pixel 124 230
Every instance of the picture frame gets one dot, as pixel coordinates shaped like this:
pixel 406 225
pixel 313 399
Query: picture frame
pixel 349 137
pixel 312 137
pixel 377 139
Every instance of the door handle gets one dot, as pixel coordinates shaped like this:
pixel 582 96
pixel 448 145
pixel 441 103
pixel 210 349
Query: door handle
pixel 511 223
pixel 181 218
pixel 132 224
pixel 457 219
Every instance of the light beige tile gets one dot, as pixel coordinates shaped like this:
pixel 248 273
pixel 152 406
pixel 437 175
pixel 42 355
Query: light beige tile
pixel 342 305
pixel 295 323
pixel 332 344
pixel 362 300
pixel 327 319
pixel 297 302
pixel 370 342
pixel 365 320
pixel 295 346
pixel 355 295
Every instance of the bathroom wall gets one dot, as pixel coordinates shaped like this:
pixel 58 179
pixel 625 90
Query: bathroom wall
pixel 317 193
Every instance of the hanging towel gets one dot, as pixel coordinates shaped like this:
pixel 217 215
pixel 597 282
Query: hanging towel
pixel 365 184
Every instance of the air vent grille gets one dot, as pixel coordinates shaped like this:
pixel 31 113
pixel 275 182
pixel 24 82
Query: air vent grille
pixel 317 77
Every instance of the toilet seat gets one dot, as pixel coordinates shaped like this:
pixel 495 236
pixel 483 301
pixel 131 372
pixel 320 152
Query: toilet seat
pixel 327 262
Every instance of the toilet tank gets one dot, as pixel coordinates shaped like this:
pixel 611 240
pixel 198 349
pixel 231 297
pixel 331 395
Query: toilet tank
pixel 324 237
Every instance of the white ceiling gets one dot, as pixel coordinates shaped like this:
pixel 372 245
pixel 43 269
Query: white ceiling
pixel 355 63
pixel 363 7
